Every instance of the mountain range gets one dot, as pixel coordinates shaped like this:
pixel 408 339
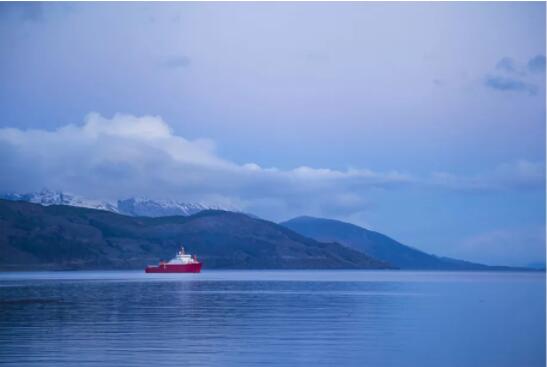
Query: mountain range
pixel 54 230
pixel 54 237
pixel 376 245
pixel 135 206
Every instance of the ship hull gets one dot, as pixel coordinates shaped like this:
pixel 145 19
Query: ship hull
pixel 174 268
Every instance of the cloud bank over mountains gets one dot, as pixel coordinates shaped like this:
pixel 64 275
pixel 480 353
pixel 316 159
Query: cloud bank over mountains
pixel 129 155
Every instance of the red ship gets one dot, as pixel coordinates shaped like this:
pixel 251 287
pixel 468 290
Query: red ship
pixel 182 263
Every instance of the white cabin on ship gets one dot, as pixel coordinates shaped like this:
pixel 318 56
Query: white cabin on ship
pixel 182 258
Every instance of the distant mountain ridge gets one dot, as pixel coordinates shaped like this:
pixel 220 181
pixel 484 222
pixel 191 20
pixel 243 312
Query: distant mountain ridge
pixel 55 237
pixel 48 197
pixel 135 206
pixel 144 207
pixel 56 222
pixel 377 245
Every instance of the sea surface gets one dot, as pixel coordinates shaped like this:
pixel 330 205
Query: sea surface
pixel 273 318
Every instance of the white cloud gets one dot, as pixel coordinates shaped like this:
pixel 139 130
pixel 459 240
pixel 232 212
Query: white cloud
pixel 127 155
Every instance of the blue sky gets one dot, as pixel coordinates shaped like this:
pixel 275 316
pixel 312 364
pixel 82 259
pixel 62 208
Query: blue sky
pixel 424 121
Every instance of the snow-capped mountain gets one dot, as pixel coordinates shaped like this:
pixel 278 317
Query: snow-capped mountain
pixel 144 207
pixel 133 206
pixel 47 197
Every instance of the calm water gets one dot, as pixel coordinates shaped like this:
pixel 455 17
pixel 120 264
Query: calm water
pixel 276 318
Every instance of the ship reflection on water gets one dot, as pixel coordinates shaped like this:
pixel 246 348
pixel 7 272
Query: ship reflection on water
pixel 275 318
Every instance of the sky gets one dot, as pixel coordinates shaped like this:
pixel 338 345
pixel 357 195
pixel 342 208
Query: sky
pixel 423 121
